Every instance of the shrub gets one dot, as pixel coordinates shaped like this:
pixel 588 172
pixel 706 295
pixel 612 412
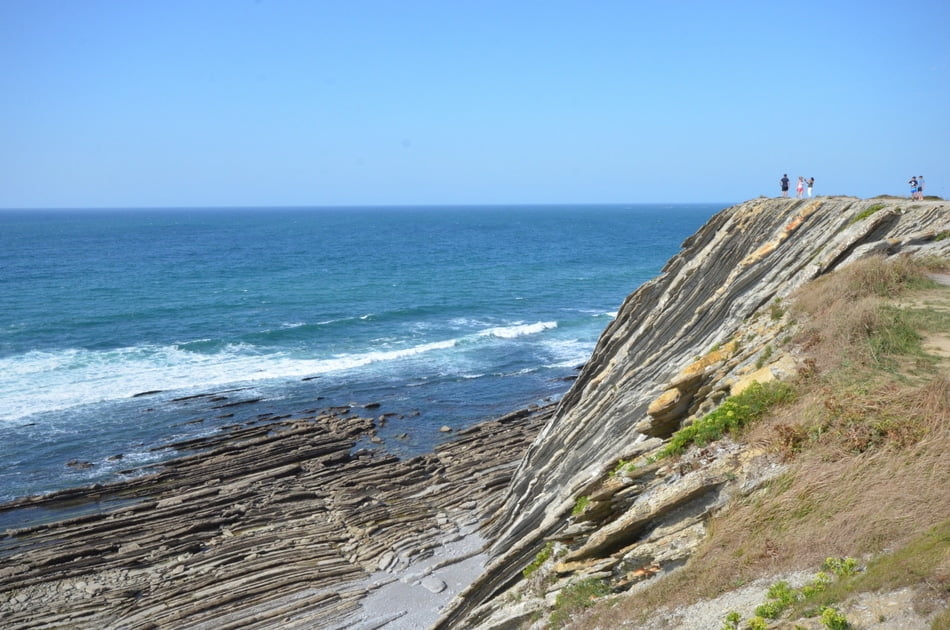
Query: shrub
pixel 840 566
pixel 732 621
pixel 732 415
pixel 833 620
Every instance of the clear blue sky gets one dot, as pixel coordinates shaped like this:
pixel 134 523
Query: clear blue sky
pixel 130 103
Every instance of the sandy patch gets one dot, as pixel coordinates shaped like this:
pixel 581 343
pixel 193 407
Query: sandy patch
pixel 413 597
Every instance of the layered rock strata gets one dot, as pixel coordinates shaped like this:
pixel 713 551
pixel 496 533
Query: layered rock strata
pixel 271 525
pixel 701 331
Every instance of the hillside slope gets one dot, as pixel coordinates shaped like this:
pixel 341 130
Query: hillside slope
pixel 704 330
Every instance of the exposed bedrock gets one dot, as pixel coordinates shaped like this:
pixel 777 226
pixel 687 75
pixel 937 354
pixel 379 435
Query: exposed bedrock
pixel 672 354
pixel 271 525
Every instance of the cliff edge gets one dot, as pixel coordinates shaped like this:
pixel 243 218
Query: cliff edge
pixel 680 345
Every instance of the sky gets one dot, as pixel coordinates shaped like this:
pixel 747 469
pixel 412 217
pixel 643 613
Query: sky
pixel 163 103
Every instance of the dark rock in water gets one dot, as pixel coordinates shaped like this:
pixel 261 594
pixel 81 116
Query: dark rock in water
pixel 148 393
pixel 372 405
pixel 79 464
pixel 236 403
pixel 310 378
pixel 115 458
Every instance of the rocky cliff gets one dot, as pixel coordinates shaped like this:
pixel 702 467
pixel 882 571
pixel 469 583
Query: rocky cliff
pixel 286 523
pixel 679 345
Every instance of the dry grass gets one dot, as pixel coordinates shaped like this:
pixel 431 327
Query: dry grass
pixel 866 442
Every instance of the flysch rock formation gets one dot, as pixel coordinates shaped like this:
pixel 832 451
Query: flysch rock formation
pixel 679 345
pixel 287 523
pixel 278 523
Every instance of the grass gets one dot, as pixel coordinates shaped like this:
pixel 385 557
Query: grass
pixel 864 438
pixel 575 598
pixel 867 212
pixel 925 559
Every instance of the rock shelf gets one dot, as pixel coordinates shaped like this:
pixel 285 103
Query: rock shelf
pixel 277 524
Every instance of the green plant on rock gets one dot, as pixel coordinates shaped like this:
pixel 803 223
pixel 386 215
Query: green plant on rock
pixel 539 559
pixel 841 567
pixel 765 356
pixel 624 466
pixel 781 596
pixel 580 505
pixel 758 623
pixel 731 621
pixel 819 584
pixel 833 620
pixel 574 598
pixel 867 212
pixel 732 415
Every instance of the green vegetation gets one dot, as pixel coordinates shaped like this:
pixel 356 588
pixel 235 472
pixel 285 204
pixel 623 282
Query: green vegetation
pixel 863 434
pixel 732 621
pixel 624 466
pixel 539 559
pixel 782 598
pixel 580 505
pixel 732 415
pixel 575 598
pixel 921 561
pixel 776 309
pixel 867 212
pixel 833 620
pixel 765 356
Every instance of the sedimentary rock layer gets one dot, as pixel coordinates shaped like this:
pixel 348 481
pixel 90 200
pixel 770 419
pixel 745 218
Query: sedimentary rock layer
pixel 671 354
pixel 271 525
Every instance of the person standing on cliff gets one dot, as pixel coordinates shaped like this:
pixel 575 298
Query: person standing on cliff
pixel 811 184
pixel 800 187
pixel 920 187
pixel 784 182
pixel 913 187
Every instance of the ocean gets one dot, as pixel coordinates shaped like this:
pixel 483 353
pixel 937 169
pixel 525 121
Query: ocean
pixel 124 331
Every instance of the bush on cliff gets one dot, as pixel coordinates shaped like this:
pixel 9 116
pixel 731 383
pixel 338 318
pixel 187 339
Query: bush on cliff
pixel 731 416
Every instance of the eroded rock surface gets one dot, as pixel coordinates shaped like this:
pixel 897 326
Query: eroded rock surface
pixel 276 525
pixel 682 343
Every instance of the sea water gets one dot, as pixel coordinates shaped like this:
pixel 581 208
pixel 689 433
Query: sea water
pixel 124 331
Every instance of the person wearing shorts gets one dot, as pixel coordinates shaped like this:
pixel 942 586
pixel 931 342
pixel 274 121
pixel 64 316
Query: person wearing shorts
pixel 784 182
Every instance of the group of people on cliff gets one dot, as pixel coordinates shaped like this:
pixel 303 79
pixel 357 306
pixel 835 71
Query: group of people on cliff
pixel 916 187
pixel 799 188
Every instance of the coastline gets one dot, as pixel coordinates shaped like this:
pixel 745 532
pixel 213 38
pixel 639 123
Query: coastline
pixel 282 523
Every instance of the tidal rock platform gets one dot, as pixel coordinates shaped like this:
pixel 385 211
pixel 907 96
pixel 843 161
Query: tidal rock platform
pixel 285 524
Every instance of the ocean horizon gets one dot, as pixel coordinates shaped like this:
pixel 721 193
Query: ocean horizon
pixel 123 331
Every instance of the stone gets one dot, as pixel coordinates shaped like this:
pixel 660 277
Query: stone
pixel 433 584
